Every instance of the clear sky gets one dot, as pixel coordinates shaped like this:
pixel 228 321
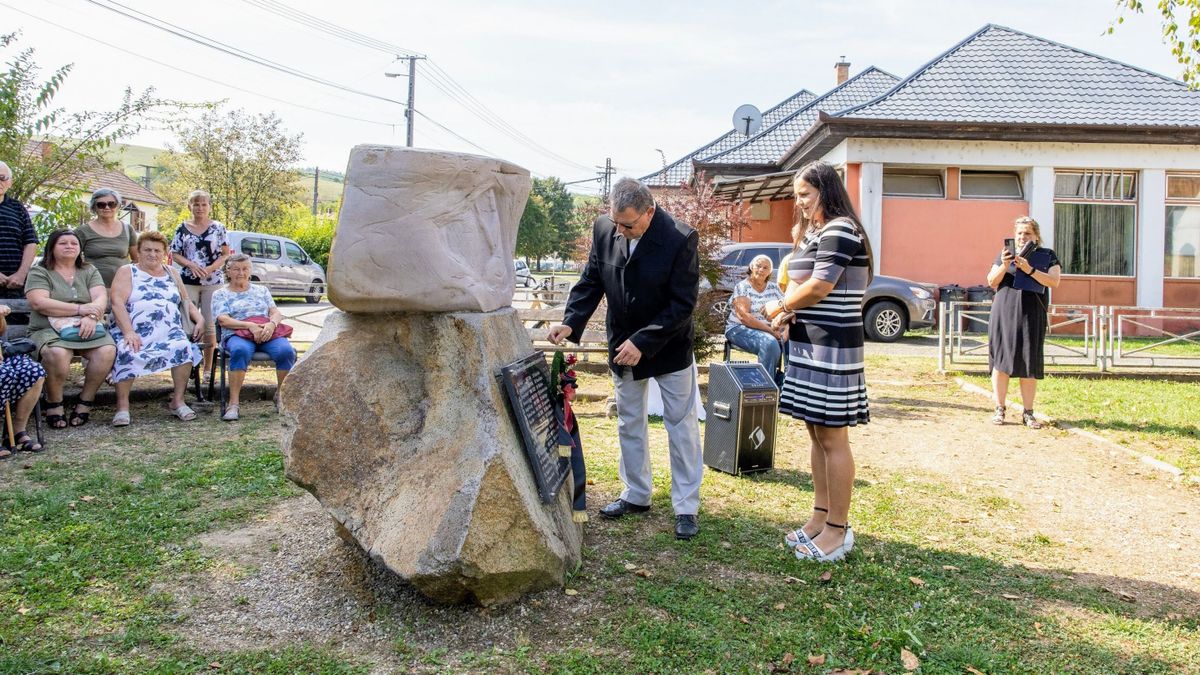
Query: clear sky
pixel 582 81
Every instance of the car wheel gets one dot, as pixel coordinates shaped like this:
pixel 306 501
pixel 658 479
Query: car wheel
pixel 314 295
pixel 720 308
pixel 885 321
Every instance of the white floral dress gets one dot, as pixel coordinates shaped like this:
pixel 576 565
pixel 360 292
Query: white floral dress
pixel 153 308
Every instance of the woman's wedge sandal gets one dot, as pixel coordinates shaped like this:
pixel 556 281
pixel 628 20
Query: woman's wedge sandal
pixel 78 419
pixel 25 443
pixel 55 421
pixel 810 551
pixel 798 537
pixel 1029 420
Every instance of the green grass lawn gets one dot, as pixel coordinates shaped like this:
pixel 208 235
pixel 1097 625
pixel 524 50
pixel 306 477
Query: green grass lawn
pixel 1156 416
pixel 87 534
pixel 1144 347
pixel 83 540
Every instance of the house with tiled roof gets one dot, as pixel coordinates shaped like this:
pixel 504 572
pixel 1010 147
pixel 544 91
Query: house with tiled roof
pixel 1104 155
pixel 139 204
pixel 680 171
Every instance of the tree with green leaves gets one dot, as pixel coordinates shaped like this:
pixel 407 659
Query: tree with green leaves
pixel 48 148
pixel 242 159
pixel 560 207
pixel 535 233
pixel 1180 29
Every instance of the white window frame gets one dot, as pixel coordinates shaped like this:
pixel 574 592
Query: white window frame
pixel 940 174
pixel 1098 186
pixel 1016 175
pixel 1179 201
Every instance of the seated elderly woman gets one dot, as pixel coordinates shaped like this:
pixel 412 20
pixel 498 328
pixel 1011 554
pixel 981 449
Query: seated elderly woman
pixel 148 326
pixel 250 322
pixel 67 299
pixel 747 327
pixel 21 381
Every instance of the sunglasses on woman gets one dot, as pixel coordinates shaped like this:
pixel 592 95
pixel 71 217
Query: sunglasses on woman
pixel 106 205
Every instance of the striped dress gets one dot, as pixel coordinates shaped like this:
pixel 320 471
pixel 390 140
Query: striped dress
pixel 824 382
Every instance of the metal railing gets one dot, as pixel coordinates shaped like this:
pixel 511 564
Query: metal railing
pixel 1103 337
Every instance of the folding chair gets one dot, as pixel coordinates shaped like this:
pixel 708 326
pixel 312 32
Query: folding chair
pixel 222 355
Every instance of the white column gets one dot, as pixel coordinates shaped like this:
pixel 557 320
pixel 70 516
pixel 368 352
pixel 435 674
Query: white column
pixel 1040 191
pixel 870 191
pixel 1151 236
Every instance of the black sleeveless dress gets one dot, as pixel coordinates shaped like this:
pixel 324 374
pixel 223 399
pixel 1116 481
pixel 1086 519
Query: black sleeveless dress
pixel 1017 326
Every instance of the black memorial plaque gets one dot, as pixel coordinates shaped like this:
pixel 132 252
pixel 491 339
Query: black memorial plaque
pixel 527 385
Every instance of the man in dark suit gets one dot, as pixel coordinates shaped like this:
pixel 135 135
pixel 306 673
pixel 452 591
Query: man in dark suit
pixel 645 264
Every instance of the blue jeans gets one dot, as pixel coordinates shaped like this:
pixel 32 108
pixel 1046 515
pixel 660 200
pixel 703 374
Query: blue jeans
pixel 759 342
pixel 241 350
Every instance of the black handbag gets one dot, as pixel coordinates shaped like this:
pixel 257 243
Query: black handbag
pixel 18 346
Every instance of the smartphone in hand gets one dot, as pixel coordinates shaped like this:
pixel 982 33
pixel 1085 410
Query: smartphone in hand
pixel 1010 245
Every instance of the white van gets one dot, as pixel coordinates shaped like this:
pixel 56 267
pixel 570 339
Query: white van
pixel 280 264
pixel 523 276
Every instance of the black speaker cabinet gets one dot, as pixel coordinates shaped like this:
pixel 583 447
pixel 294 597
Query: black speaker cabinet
pixel 742 407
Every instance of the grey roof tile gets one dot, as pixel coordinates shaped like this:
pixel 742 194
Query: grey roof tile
pixel 769 146
pixel 1000 75
pixel 680 170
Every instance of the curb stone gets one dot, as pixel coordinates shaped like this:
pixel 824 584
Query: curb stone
pixel 1153 462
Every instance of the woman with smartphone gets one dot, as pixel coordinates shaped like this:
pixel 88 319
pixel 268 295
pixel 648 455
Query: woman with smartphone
pixel 1017 327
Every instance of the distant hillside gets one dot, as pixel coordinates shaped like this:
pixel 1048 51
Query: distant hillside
pixel 134 159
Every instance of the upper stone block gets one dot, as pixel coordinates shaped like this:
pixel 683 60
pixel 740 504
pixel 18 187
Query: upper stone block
pixel 426 231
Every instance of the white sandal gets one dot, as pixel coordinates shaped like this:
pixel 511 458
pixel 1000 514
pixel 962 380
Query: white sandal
pixel 121 419
pixel 184 413
pixel 231 414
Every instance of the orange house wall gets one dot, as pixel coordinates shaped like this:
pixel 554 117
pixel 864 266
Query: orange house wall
pixel 777 228
pixel 945 241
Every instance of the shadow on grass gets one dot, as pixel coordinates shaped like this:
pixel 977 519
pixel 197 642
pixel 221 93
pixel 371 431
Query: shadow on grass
pixel 1156 428
pixel 801 480
pixel 734 600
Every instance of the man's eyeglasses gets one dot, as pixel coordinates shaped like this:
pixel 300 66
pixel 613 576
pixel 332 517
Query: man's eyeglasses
pixel 106 205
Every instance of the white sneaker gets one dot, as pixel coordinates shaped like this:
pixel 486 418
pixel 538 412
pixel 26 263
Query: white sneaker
pixel 231 414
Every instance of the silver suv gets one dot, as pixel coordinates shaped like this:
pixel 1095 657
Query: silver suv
pixel 891 306
pixel 280 264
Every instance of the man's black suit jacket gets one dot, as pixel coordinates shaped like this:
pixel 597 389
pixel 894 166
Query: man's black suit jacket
pixel 651 294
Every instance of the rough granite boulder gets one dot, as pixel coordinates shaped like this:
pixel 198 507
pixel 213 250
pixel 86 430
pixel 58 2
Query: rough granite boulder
pixel 398 425
pixel 426 231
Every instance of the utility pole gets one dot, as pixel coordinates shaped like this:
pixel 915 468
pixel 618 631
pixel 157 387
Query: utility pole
pixel 409 114
pixel 146 178
pixel 607 177
pixel 316 180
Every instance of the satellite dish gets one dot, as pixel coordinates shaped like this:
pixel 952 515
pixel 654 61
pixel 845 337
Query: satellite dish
pixel 747 120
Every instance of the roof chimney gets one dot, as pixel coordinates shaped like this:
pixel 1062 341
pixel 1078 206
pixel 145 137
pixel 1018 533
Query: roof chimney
pixel 842 68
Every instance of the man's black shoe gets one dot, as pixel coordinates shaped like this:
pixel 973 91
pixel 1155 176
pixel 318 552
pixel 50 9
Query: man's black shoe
pixel 686 527
pixel 621 507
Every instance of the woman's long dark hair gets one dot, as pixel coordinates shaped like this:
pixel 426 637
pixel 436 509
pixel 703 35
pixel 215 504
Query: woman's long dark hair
pixel 48 253
pixel 835 203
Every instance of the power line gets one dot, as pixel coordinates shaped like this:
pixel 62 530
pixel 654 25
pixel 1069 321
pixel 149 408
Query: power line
pixel 194 74
pixel 204 41
pixel 329 28
pixel 437 76
pixel 452 133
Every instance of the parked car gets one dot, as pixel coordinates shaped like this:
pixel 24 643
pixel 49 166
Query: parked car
pixel 524 276
pixel 280 264
pixel 890 308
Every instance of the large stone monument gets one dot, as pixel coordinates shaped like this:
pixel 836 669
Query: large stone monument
pixel 395 419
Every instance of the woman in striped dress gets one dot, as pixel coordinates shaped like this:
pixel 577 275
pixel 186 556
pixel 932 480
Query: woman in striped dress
pixel 824 384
